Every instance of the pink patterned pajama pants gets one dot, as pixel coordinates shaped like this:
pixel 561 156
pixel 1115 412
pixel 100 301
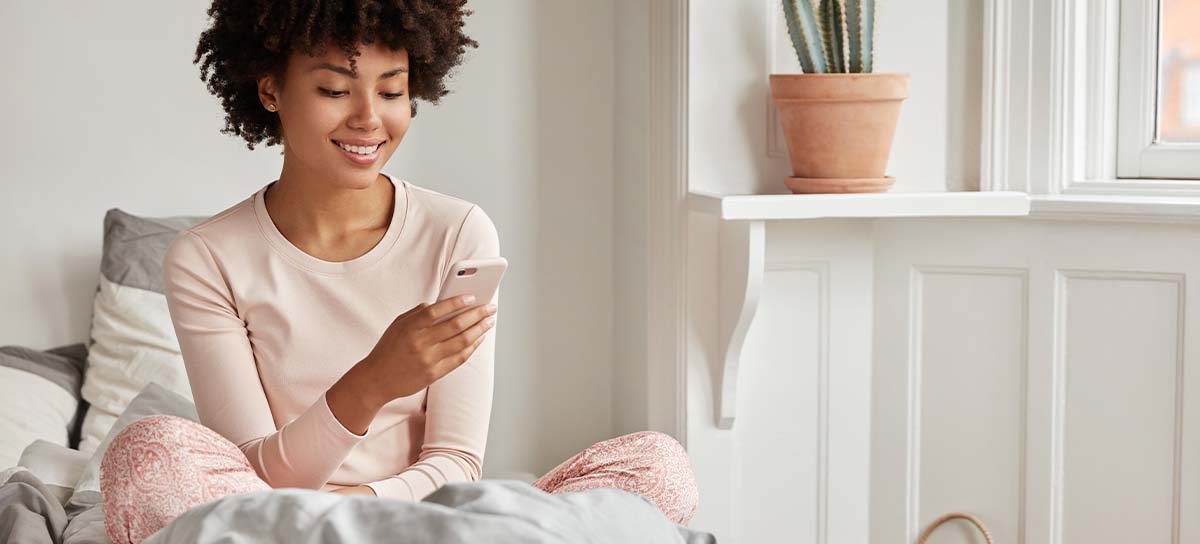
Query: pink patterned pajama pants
pixel 159 466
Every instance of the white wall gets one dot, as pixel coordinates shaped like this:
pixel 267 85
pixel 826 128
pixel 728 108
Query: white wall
pixel 104 108
pixel 733 143
pixel 631 127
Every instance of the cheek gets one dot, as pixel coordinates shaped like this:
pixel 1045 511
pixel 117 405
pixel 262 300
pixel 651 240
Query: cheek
pixel 397 124
pixel 313 121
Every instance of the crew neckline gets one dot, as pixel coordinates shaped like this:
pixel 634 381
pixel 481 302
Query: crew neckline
pixel 308 262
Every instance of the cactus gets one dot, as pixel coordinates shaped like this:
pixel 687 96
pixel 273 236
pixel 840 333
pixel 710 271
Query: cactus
pixel 835 36
pixel 806 35
pixel 860 29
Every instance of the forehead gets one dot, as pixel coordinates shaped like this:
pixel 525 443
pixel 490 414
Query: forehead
pixel 372 59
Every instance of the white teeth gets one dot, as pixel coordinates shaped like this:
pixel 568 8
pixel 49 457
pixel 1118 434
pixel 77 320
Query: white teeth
pixel 359 150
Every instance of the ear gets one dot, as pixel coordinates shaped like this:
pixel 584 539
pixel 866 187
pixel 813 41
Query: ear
pixel 267 91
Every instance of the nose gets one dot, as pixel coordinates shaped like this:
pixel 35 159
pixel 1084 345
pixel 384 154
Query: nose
pixel 365 117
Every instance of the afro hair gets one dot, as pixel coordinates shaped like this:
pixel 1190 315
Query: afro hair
pixel 249 39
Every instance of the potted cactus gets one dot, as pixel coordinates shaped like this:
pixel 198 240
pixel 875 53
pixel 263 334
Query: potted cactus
pixel 838 117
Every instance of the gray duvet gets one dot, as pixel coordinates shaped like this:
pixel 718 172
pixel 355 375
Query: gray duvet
pixel 33 512
pixel 484 511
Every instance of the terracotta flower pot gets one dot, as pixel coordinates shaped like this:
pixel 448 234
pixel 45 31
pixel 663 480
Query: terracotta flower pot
pixel 839 129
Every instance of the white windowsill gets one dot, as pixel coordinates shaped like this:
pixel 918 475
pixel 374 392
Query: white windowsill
pixel 893 204
pixel 1141 209
pixel 776 207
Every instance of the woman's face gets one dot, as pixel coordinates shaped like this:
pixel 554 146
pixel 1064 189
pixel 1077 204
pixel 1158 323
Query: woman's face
pixel 321 103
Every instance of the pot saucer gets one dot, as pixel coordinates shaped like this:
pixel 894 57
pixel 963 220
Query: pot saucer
pixel 839 185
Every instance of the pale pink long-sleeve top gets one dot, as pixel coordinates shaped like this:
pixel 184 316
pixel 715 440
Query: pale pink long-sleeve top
pixel 265 329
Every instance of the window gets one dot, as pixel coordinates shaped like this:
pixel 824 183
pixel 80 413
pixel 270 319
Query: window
pixel 1159 90
pixel 1179 109
pixel 1179 72
pixel 1093 101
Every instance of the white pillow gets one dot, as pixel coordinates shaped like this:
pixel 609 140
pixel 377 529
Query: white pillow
pixel 32 408
pixel 39 397
pixel 134 344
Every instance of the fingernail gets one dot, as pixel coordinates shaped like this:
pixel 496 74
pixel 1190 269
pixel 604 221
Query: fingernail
pixel 491 308
pixel 488 322
pixel 469 299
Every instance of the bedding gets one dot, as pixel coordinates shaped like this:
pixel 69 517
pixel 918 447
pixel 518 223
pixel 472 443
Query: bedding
pixel 131 341
pixel 38 503
pixel 53 495
pixel 485 511
pixel 59 470
pixel 153 399
pixel 498 511
pixel 57 466
pixel 39 397
pixel 31 512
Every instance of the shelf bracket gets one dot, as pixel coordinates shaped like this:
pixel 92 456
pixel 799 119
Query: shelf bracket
pixel 741 255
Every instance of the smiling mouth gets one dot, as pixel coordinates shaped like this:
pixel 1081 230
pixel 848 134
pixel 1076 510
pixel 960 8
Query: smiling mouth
pixel 376 148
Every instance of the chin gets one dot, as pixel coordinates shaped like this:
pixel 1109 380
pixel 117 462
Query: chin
pixel 353 178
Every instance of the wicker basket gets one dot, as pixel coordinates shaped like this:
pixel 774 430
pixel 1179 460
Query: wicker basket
pixel 955 515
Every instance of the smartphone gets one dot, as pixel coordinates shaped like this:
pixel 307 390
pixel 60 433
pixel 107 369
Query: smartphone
pixel 479 277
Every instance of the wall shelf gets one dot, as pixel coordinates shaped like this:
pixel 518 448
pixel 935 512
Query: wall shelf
pixel 741 249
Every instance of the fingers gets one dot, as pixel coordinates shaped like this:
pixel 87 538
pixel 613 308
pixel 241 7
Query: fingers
pixel 445 307
pixel 463 342
pixel 456 359
pixel 460 322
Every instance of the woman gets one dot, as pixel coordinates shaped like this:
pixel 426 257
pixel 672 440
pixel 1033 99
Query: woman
pixel 285 304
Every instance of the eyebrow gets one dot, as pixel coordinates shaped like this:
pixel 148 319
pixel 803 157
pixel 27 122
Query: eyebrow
pixel 346 71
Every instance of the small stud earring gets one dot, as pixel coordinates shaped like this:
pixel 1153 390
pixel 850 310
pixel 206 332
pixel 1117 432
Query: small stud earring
pixel 271 107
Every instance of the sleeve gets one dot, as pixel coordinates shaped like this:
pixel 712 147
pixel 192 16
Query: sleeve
pixel 459 405
pixel 223 375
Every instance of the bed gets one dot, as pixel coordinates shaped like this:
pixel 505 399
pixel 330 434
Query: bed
pixel 60 407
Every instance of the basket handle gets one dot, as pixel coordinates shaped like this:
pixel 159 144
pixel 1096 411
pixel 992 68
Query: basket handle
pixel 955 515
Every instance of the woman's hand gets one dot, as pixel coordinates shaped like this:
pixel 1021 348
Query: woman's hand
pixel 356 490
pixel 414 351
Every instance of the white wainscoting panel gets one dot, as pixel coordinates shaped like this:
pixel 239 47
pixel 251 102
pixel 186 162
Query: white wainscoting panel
pixel 1035 374
pixel 966 410
pixel 796 461
pixel 1121 362
pixel 782 428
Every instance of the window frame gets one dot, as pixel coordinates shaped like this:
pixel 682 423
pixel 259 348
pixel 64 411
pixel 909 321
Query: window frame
pixel 1051 103
pixel 1139 156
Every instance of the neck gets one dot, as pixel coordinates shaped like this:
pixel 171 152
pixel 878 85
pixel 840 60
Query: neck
pixel 307 206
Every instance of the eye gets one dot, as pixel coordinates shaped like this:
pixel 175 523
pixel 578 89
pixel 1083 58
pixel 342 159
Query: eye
pixel 339 94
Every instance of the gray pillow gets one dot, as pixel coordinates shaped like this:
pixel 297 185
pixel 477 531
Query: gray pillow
pixel 134 247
